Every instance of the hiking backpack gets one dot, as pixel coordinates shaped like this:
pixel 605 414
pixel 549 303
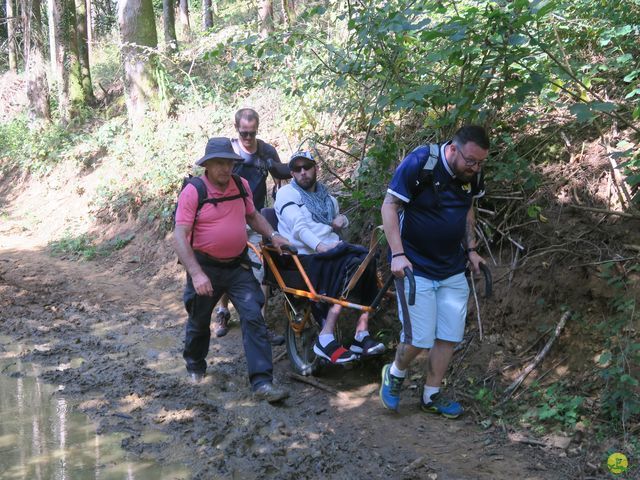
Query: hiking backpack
pixel 425 177
pixel 201 188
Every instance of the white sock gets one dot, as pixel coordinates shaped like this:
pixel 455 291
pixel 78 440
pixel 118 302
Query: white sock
pixel 396 372
pixel 428 392
pixel 361 335
pixel 325 339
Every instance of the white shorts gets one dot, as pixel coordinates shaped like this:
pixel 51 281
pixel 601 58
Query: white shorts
pixel 440 310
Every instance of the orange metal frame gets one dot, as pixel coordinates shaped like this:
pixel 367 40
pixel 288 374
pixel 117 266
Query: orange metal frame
pixel 311 294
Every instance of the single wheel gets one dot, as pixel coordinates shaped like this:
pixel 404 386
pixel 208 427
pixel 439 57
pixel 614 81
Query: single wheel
pixel 302 333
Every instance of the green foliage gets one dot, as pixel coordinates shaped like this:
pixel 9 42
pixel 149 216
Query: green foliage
pixel 620 397
pixel 79 247
pixel 84 246
pixel 30 150
pixel 556 406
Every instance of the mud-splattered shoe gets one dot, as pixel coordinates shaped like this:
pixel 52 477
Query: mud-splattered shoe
pixel 390 389
pixel 222 322
pixel 270 393
pixel 196 377
pixel 441 405
pixel 274 339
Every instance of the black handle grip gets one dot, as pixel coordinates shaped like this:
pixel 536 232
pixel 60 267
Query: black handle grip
pixel 412 285
pixel 289 248
pixel 488 280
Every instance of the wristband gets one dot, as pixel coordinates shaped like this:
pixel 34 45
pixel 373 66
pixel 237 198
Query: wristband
pixel 472 249
pixel 275 233
pixel 401 254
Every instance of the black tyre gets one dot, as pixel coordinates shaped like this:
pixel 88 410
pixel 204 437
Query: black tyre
pixel 300 341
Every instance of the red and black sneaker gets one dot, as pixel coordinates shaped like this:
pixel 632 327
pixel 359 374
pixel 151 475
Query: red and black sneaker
pixel 334 352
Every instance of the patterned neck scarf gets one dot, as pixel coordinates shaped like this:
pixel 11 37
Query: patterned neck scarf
pixel 318 203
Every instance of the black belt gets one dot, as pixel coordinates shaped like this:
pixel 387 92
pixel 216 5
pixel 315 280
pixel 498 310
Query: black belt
pixel 241 260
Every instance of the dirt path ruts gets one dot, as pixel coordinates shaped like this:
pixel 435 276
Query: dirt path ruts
pixel 125 336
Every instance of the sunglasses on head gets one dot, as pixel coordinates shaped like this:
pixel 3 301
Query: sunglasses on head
pixel 248 134
pixel 299 168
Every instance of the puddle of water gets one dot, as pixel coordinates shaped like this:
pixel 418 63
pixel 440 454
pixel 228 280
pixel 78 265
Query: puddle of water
pixel 42 438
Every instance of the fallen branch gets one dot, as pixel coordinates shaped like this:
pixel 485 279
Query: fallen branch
pixel 536 361
pixel 312 382
pixel 515 437
pixel 611 260
pixel 280 356
pixel 604 211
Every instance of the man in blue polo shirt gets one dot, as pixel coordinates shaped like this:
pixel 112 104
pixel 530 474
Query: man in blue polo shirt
pixel 430 226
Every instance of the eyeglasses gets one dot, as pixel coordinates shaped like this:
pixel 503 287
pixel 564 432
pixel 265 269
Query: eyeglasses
pixel 248 134
pixel 299 168
pixel 470 162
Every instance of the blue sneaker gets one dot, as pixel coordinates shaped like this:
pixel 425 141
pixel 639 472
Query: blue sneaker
pixel 439 404
pixel 390 389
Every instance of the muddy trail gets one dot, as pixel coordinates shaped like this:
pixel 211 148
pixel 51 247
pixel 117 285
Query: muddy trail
pixel 112 341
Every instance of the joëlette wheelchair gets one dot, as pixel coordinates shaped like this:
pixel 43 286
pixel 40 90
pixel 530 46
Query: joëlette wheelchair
pixel 287 274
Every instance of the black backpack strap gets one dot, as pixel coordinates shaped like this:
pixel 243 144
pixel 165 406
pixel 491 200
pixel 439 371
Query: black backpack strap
pixel 201 188
pixel 288 204
pixel 242 193
pixel 425 177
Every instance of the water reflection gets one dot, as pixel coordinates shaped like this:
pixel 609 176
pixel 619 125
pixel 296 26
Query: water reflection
pixel 43 438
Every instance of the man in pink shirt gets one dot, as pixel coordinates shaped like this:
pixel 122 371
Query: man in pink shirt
pixel 211 242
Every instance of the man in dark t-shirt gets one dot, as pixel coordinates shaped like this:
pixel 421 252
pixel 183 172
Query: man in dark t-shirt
pixel 429 222
pixel 259 159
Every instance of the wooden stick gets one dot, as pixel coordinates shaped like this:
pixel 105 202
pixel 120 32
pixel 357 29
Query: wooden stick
pixel 475 297
pixel 506 235
pixel 529 368
pixel 312 382
pixel 514 265
pixel 604 211
pixel 486 243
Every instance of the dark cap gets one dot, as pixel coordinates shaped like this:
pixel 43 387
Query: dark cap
pixel 219 148
pixel 301 154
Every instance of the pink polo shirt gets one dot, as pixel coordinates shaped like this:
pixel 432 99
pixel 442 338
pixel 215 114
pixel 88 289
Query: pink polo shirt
pixel 220 230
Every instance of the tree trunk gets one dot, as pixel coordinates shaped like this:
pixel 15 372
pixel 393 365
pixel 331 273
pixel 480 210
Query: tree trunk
pixel 184 18
pixel 53 46
pixel 288 12
pixel 265 12
pixel 138 36
pixel 169 21
pixel 90 28
pixel 37 87
pixel 207 16
pixel 70 93
pixel 83 51
pixel 11 36
pixel 72 57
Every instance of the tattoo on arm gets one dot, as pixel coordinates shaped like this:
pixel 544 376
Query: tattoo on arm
pixel 390 199
pixel 470 233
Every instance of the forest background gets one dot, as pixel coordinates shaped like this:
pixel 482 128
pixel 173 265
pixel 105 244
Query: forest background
pixel 133 90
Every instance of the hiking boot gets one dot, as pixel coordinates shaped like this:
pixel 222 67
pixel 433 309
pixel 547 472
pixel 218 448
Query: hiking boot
pixel 274 339
pixel 439 404
pixel 222 322
pixel 196 377
pixel 270 393
pixel 390 389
